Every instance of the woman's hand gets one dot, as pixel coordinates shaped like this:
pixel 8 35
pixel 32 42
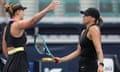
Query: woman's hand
pixel 100 68
pixel 52 5
pixel 58 60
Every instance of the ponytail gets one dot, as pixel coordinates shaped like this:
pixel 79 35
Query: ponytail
pixel 100 22
pixel 9 10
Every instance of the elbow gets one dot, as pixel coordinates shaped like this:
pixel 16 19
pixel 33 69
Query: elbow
pixel 30 23
pixel 33 21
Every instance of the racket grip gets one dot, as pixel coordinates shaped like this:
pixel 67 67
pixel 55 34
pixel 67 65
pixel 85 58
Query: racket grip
pixel 56 61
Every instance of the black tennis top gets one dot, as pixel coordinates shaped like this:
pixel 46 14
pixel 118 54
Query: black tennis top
pixel 87 46
pixel 13 41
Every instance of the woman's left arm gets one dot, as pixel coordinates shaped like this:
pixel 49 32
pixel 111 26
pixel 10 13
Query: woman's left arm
pixel 95 35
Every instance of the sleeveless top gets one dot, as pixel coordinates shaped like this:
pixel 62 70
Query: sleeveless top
pixel 87 46
pixel 13 41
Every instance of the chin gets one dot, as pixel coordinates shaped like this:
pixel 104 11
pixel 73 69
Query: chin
pixel 21 18
pixel 85 23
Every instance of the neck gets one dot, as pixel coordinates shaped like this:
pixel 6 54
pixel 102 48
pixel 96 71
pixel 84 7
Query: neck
pixel 16 18
pixel 89 24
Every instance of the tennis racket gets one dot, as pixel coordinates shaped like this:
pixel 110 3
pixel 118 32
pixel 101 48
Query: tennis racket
pixel 41 46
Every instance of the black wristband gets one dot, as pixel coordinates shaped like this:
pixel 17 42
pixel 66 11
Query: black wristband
pixel 101 64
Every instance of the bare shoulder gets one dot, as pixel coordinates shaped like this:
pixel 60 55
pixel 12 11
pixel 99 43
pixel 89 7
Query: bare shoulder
pixel 17 24
pixel 95 29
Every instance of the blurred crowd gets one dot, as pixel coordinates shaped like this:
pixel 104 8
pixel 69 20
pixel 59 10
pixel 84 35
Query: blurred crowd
pixel 2 11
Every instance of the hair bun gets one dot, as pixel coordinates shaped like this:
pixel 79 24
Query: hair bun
pixel 6 8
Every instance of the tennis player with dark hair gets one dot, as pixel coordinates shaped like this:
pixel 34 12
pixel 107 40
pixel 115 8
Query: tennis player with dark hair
pixel 14 38
pixel 89 47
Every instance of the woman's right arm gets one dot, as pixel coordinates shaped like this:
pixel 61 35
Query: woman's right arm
pixel 72 55
pixel 4 45
pixel 28 23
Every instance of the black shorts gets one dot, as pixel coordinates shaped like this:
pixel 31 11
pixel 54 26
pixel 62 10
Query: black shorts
pixel 17 63
pixel 88 65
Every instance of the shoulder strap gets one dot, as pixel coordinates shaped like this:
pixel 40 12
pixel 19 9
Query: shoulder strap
pixel 8 26
pixel 89 28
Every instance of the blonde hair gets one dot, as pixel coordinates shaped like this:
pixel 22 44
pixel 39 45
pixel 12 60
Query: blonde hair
pixel 10 8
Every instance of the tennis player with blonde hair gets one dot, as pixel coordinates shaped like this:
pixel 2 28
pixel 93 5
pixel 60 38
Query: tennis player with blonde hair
pixel 14 37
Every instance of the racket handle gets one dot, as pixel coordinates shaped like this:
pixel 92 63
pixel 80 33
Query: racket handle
pixel 56 61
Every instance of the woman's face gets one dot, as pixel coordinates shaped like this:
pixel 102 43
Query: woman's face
pixel 86 19
pixel 20 14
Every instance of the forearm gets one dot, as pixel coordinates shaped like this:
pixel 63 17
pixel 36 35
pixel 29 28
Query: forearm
pixel 71 56
pixel 4 45
pixel 100 56
pixel 5 53
pixel 4 48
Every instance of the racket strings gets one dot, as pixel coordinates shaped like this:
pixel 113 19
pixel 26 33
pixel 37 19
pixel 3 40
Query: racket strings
pixel 40 46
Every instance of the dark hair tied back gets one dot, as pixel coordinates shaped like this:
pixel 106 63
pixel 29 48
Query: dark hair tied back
pixel 100 22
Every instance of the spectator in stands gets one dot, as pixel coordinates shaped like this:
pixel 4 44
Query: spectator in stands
pixel 14 38
pixel 89 47
pixel 2 10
